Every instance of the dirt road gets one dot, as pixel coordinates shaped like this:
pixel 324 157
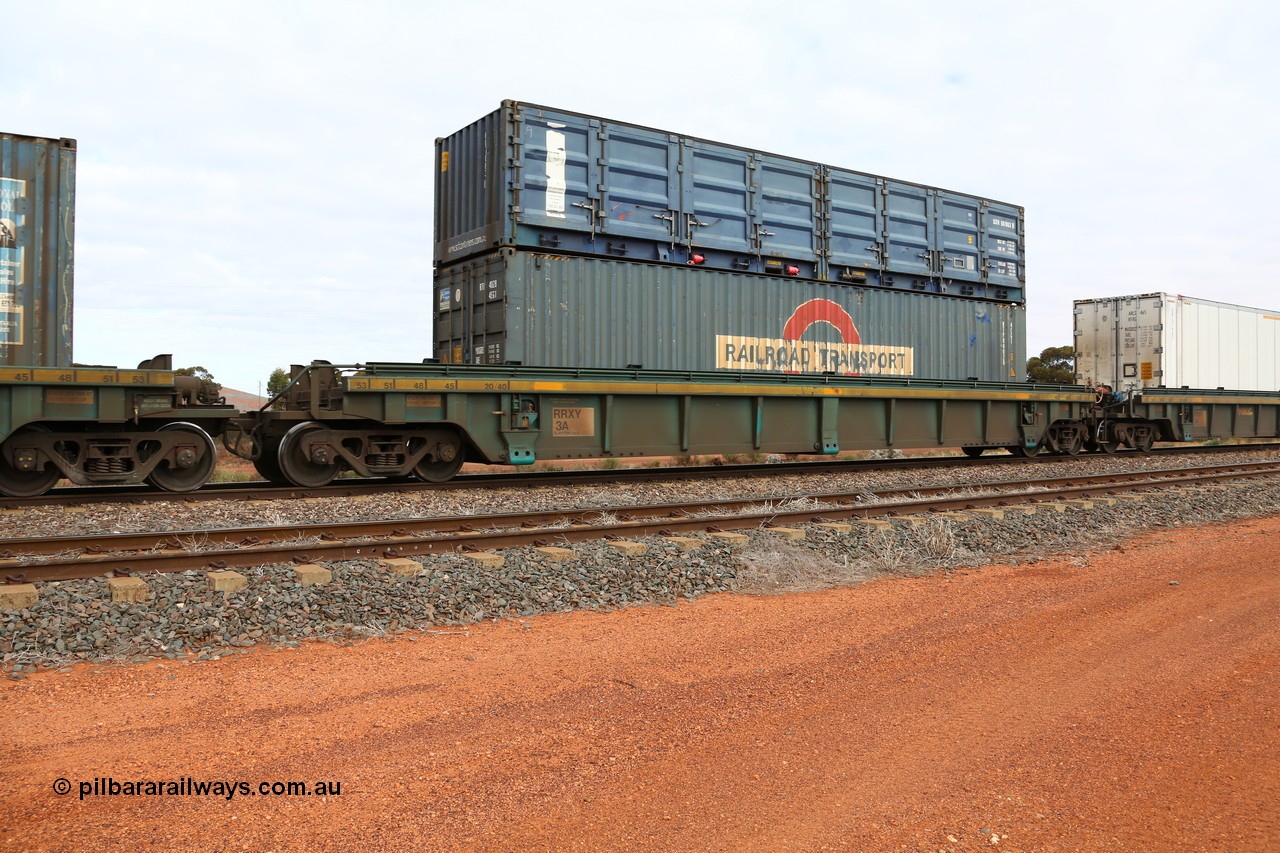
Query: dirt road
pixel 1048 706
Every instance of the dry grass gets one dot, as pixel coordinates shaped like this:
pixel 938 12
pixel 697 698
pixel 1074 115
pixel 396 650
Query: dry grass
pixel 899 551
pixel 782 567
pixel 195 543
pixel 233 469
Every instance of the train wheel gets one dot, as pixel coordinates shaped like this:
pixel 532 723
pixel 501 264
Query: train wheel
pixel 442 469
pixel 25 484
pixel 1024 451
pixel 438 472
pixel 174 479
pixel 1143 440
pixel 297 466
pixel 973 452
pixel 268 463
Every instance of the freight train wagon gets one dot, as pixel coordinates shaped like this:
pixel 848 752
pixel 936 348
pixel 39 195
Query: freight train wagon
pixel 426 420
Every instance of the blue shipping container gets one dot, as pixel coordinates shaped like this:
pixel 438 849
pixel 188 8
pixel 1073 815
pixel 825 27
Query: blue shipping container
pixel 540 178
pixel 37 233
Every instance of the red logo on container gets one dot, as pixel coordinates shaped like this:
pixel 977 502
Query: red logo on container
pixel 821 311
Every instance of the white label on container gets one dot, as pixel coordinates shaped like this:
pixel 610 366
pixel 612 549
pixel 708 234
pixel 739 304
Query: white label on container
pixel 555 174
pixel 12 191
pixel 11 328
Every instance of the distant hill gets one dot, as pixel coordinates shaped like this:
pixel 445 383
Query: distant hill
pixel 243 400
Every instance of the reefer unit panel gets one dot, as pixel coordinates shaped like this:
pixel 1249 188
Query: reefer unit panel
pixel 37 233
pixel 581 312
pixel 534 177
pixel 1157 340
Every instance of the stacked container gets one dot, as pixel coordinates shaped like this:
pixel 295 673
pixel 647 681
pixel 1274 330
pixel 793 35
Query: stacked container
pixel 37 232
pixel 568 240
pixel 519 307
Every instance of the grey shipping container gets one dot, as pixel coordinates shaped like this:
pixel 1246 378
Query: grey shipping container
pixel 531 308
pixel 1154 340
pixel 37 233
pixel 547 179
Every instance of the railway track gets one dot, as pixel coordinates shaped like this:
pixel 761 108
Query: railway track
pixel 63 558
pixel 261 490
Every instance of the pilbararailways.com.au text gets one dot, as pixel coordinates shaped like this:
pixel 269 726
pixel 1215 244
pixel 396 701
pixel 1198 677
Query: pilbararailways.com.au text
pixel 189 787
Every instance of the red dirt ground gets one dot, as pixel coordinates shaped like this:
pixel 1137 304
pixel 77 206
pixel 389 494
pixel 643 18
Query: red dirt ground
pixel 1048 706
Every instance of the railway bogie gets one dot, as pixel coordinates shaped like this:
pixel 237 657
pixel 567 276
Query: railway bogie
pixel 104 425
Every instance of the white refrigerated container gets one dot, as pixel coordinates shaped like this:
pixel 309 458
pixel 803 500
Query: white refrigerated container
pixel 1166 340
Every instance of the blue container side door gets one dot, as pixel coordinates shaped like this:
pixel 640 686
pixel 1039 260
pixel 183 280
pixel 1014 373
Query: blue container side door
pixel 786 211
pixel 908 227
pixel 1002 246
pixel 958 245
pixel 716 197
pixel 558 171
pixel 854 223
pixel 641 184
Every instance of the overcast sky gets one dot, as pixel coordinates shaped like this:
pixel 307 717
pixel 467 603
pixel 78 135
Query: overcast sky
pixel 254 182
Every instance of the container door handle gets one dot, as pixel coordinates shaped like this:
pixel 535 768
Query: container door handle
pixel 761 233
pixel 590 207
pixel 691 222
pixel 670 218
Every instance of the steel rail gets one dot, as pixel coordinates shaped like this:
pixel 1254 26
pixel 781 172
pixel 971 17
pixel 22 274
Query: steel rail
pixel 177 540
pixel 262 490
pixel 680 520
